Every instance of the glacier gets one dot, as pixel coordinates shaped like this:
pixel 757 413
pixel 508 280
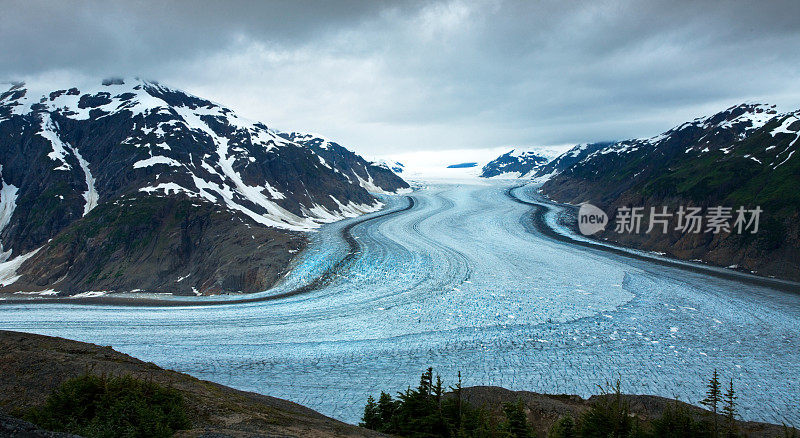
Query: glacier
pixel 460 282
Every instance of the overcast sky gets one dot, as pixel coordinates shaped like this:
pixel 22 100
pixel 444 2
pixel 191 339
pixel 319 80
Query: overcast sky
pixel 395 77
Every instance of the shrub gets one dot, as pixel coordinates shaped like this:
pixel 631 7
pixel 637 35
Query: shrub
pixel 564 427
pixel 609 416
pixel 99 406
pixel 677 422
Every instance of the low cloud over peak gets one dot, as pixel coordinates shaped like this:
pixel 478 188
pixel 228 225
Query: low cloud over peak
pixel 390 77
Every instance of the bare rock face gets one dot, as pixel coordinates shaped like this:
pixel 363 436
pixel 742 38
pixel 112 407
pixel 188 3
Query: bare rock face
pixel 132 185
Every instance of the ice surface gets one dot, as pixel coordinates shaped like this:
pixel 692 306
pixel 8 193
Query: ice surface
pixel 458 283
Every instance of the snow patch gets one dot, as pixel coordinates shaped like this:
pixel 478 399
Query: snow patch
pixel 170 188
pixel 59 152
pixel 787 159
pixel 158 159
pixel 90 294
pixel 8 269
pixel 90 194
pixel 8 203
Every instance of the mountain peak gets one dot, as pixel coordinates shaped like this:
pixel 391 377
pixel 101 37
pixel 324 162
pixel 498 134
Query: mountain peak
pixel 515 163
pixel 374 177
pixel 746 116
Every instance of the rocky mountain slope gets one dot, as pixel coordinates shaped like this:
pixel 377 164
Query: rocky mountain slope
pixel 741 157
pixel 32 366
pixel 129 184
pixel 516 163
pixel 375 177
pixel 395 166
pixel 568 159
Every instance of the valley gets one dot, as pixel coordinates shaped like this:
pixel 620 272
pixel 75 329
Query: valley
pixel 437 218
pixel 459 280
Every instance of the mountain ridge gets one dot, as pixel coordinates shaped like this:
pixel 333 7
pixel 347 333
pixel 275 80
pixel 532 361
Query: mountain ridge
pixel 373 177
pixel 742 156
pixel 517 163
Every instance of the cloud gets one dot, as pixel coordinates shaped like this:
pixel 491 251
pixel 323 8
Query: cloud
pixel 392 77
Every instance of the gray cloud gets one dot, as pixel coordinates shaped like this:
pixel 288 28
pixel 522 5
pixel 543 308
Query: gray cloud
pixel 387 77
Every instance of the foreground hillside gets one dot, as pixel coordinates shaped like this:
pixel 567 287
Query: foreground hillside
pixel 32 366
pixel 428 410
pixel 741 157
pixel 130 185
pixel 544 410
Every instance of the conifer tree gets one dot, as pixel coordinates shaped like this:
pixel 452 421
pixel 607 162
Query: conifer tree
pixel 713 397
pixel 516 424
pixel 437 389
pixel 371 418
pixel 426 382
pixel 730 409
pixel 457 392
pixel 609 416
pixel 386 409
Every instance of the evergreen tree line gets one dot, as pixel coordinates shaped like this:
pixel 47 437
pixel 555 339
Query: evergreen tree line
pixel 424 411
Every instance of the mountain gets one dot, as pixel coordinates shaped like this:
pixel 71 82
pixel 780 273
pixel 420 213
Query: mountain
pixel 742 156
pixel 567 159
pixel 394 166
pixel 514 164
pixel 373 177
pixel 133 185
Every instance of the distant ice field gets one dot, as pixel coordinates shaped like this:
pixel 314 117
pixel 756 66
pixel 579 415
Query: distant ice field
pixel 459 283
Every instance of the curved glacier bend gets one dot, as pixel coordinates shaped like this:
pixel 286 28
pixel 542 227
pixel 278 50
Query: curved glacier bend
pixel 459 283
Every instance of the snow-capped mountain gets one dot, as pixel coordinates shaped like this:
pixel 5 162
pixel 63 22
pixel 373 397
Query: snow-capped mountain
pixel 567 159
pixel 742 156
pixel 155 163
pixel 373 177
pixel 699 135
pixel 517 163
pixel 395 166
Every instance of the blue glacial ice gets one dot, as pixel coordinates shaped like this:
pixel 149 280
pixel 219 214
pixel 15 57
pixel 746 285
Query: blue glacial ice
pixel 459 283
